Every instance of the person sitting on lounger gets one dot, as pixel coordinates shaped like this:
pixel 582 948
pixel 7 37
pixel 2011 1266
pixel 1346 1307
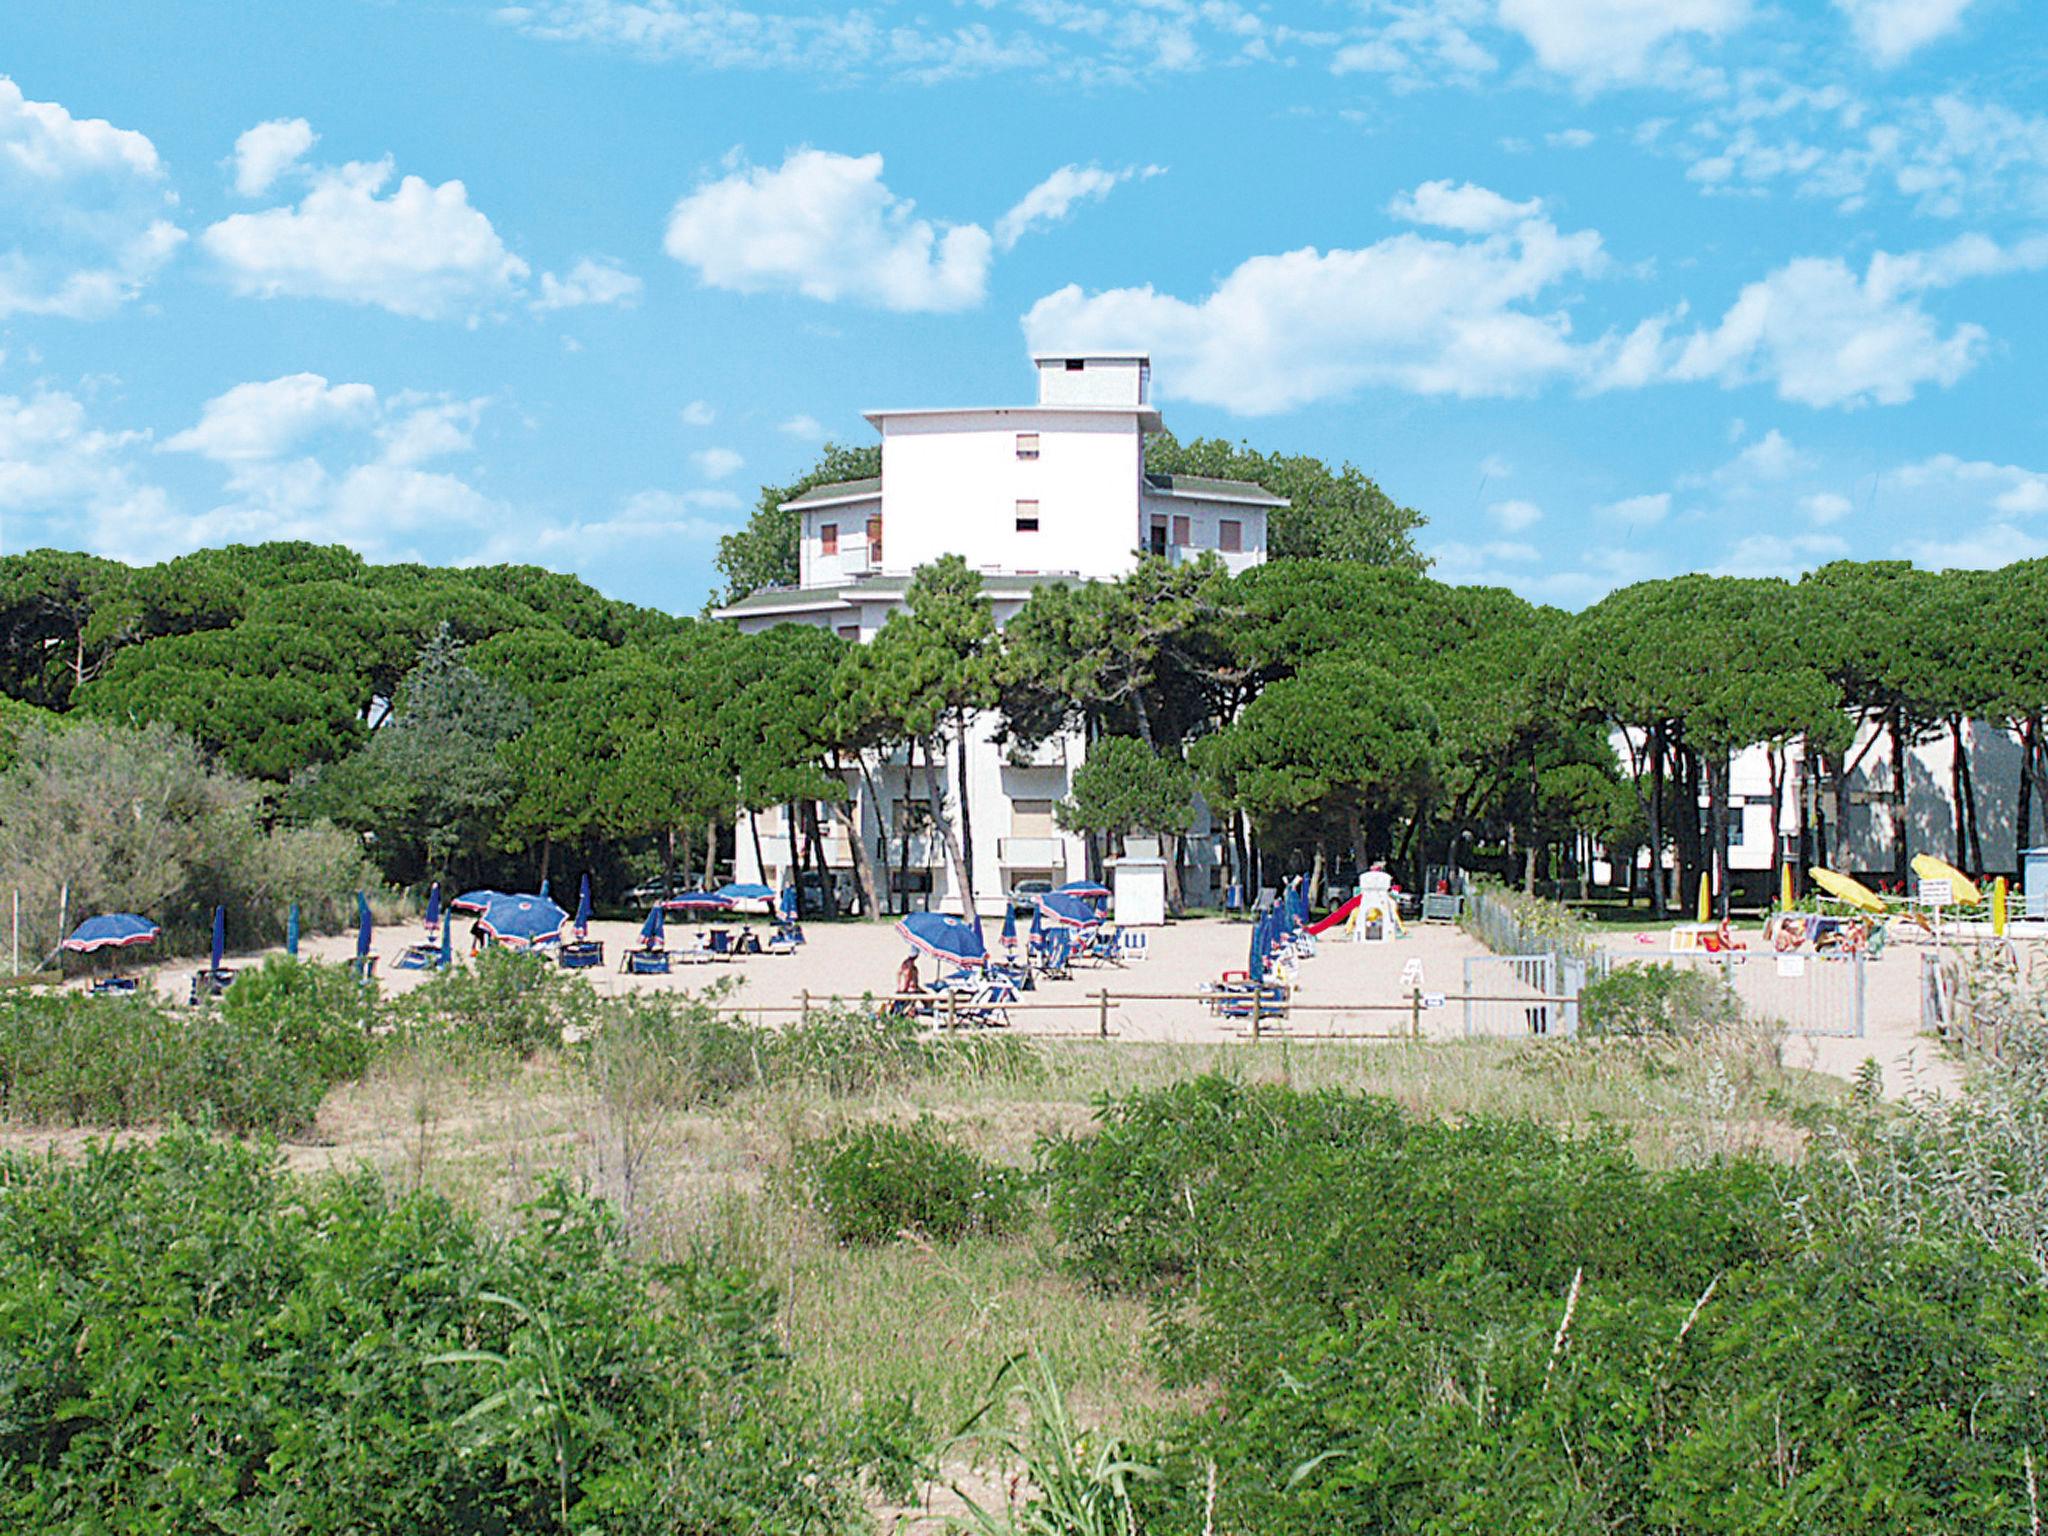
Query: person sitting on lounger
pixel 906 983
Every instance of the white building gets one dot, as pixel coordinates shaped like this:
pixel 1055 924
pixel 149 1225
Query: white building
pixel 1052 492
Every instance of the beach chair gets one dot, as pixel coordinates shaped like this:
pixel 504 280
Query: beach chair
pixel 1131 944
pixel 746 942
pixel 418 957
pixel 207 985
pixel 1230 997
pixel 114 986
pixel 581 955
pixel 644 962
pixel 1053 954
pixel 785 939
pixel 984 1001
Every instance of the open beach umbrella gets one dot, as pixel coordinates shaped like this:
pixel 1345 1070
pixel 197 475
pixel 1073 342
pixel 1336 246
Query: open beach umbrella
pixel 111 930
pixel 738 891
pixel 789 903
pixel 434 907
pixel 1961 886
pixel 1068 911
pixel 698 901
pixel 291 931
pixel 944 937
pixel 362 926
pixel 656 926
pixel 220 938
pixel 474 902
pixel 523 921
pixel 1845 889
pixel 1086 890
pixel 583 910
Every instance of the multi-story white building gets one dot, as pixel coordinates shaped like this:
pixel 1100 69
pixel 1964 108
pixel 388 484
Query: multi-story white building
pixel 1027 495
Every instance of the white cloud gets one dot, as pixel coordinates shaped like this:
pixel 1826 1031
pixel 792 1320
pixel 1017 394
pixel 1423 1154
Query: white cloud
pixel 1596 43
pixel 825 225
pixel 1889 30
pixel 648 519
pixel 716 463
pixel 257 421
pixel 589 282
pixel 1054 198
pixel 1468 209
pixel 1776 554
pixel 1514 516
pixel 1494 467
pixel 1570 138
pixel 85 225
pixel 1982 549
pixel 422 251
pixel 698 413
pixel 806 428
pixel 1639 511
pixel 1824 336
pixel 267 151
pixel 1770 457
pixel 1414 312
pixel 54 461
pixel 1823 508
pixel 1955 484
pixel 1421 45
pixel 412 432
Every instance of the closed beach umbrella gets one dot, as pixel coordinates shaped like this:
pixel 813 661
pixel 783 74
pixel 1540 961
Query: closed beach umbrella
pixel 1009 925
pixel 1999 907
pixel 543 887
pixel 583 910
pixel 1037 921
pixel 654 928
pixel 362 926
pixel 220 937
pixel 447 945
pixel 944 937
pixel 522 921
pixel 1785 887
pixel 789 903
pixel 1706 899
pixel 111 930
pixel 434 907
pixel 291 931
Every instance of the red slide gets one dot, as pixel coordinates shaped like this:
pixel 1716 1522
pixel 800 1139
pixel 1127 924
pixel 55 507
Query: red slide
pixel 1336 919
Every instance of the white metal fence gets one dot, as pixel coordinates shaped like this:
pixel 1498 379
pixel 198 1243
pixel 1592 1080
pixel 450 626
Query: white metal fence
pixel 1807 994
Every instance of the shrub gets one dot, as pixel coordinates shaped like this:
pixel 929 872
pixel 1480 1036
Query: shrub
pixel 852 1050
pixel 71 1059
pixel 875 1181
pixel 1665 1000
pixel 193 1340
pixel 505 1000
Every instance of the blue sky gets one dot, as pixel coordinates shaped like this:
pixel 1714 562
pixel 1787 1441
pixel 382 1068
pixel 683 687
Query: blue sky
pixel 1606 288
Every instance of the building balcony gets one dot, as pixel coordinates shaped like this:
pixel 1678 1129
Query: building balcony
pixel 1050 753
pixel 1031 852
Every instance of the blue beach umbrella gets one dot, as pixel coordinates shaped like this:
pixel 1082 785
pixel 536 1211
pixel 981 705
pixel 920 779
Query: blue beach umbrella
pixel 220 937
pixel 1068 911
pixel 523 921
pixel 1087 890
pixel 745 890
pixel 111 930
pixel 656 926
pixel 447 945
pixel 1009 925
pixel 698 901
pixel 362 926
pixel 945 937
pixel 474 902
pixel 291 931
pixel 434 907
pixel 583 910
pixel 1037 921
pixel 543 887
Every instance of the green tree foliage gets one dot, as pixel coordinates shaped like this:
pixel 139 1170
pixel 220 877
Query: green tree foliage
pixel 764 553
pixel 1332 514
pixel 431 786
pixel 137 820
pixel 48 599
pixel 1126 787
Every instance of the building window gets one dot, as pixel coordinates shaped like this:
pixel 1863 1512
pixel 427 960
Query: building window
pixel 1031 818
pixel 1183 531
pixel 1735 829
pixel 1229 535
pixel 1076 364
pixel 1027 445
pixel 828 538
pixel 849 631
pixel 1157 544
pixel 1027 517
pixel 874 541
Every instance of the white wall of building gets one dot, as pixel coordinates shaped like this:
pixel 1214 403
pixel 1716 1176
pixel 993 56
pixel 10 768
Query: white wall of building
pixel 1204 531
pixel 848 521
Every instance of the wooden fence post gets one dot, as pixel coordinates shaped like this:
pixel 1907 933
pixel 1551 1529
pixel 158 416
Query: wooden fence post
pixel 1102 1020
pixel 952 1007
pixel 803 1012
pixel 1415 1013
pixel 1258 992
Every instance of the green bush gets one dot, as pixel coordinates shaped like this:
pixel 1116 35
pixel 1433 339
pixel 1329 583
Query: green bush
pixel 504 1000
pixel 191 1339
pixel 850 1050
pixel 872 1182
pixel 1663 1000
pixel 67 1058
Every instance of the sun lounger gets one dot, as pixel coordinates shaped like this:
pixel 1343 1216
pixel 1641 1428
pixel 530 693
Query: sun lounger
pixel 114 986
pixel 644 962
pixel 581 955
pixel 418 957
pixel 207 985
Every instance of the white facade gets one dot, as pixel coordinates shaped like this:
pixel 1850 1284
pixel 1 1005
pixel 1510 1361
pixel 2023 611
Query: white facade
pixel 1027 495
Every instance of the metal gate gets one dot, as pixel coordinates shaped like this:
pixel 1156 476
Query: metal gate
pixel 1807 994
pixel 1516 995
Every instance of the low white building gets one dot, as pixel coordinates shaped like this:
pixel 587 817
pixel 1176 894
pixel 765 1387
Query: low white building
pixel 1051 492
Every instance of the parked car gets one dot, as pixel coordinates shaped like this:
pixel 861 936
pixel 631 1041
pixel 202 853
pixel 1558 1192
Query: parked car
pixel 810 893
pixel 1025 893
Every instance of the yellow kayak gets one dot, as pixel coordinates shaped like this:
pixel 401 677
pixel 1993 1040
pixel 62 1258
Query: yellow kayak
pixel 1928 867
pixel 1845 889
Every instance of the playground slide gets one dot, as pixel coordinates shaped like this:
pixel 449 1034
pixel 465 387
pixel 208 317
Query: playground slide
pixel 1336 919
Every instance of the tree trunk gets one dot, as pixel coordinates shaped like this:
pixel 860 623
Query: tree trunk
pixel 1966 797
pixel 909 766
pixel 760 859
pixel 2023 819
pixel 1528 869
pixel 960 720
pixel 1175 890
pixel 668 861
pixel 1959 805
pixel 1716 768
pixel 547 857
pixel 710 851
pixel 1315 874
pixel 950 834
pixel 828 893
pixel 857 841
pixel 1657 822
pixel 1777 762
pixel 1901 832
